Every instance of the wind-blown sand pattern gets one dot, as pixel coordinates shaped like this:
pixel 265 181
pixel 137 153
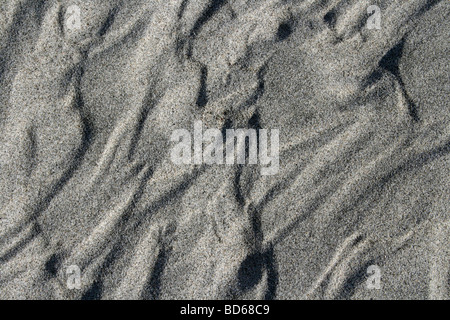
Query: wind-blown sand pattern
pixel 86 177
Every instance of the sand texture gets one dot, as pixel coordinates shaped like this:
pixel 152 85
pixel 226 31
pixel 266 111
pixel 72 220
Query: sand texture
pixel 87 179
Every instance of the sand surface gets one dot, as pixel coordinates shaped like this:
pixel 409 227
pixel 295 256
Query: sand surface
pixel 87 180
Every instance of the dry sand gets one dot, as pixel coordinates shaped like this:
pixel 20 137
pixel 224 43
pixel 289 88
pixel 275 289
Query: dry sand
pixel 86 177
